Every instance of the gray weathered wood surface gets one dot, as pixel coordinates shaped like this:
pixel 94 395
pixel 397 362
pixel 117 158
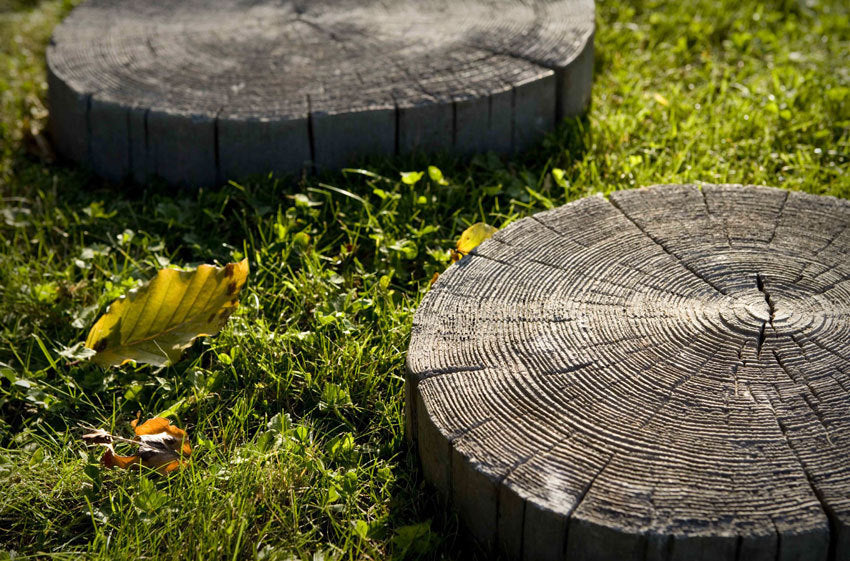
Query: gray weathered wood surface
pixel 663 375
pixel 200 91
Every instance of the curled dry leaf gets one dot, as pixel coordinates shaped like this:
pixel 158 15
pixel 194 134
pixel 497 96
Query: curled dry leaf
pixel 472 238
pixel 161 446
pixel 156 322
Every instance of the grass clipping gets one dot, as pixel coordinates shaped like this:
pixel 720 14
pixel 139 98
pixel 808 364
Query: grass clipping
pixel 156 322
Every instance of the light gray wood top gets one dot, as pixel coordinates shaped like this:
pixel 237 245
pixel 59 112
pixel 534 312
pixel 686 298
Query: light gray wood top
pixel 267 85
pixel 660 375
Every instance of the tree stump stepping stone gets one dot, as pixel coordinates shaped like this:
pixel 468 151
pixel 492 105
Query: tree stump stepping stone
pixel 662 375
pixel 201 91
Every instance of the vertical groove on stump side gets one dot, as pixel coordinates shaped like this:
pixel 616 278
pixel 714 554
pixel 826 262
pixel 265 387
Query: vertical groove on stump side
pixel 129 146
pixel 108 138
pixel 434 450
pixel 500 125
pixel 396 137
pixel 425 127
pixel 454 124
pixel 704 548
pixel 251 147
pixel 475 496
pixel 573 89
pixel 311 136
pixel 88 130
pixel 513 120
pixel 184 148
pixel 150 155
pixel 658 548
pixel 340 140
pixel 67 114
pixel 588 541
pixel 544 534
pixel 411 424
pixel 511 521
pixel 219 178
pixel 758 548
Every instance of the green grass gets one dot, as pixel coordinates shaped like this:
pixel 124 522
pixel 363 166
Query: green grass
pixel 296 409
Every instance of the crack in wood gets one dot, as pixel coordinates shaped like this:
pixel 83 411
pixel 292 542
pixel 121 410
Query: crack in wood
pixel 807 267
pixel 714 219
pixel 434 372
pixel 584 492
pixel 476 253
pixel 760 284
pixel 817 343
pixel 534 455
pixel 742 363
pixel 545 65
pixel 459 434
pixel 537 219
pixel 828 511
pixel 778 218
pixel 675 387
pixel 818 415
pixel 626 266
pixel 666 250
pixel 832 285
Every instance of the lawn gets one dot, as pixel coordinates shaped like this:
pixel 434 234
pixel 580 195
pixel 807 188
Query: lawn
pixel 295 410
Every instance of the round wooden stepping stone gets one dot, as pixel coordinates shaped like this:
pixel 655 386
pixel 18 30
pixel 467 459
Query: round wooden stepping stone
pixel 661 375
pixel 199 91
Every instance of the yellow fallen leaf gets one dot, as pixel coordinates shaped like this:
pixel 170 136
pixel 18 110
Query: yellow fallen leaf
pixel 156 322
pixel 162 447
pixel 472 238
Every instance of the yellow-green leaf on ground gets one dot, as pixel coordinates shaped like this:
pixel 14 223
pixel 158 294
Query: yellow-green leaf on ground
pixel 411 177
pixel 472 238
pixel 156 322
pixel 436 175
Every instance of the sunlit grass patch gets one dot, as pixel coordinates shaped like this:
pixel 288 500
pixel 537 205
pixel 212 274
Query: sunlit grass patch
pixel 296 409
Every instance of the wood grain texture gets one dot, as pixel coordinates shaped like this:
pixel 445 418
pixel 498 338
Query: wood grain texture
pixel 201 91
pixel 661 375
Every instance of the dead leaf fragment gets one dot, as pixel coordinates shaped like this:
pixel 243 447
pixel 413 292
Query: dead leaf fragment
pixel 156 322
pixel 161 446
pixel 38 145
pixel 98 436
pixel 472 238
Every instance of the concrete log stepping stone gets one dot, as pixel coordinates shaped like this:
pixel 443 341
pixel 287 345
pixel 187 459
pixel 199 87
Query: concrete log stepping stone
pixel 201 91
pixel 660 375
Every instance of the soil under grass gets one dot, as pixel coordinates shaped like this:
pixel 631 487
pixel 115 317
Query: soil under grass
pixel 296 409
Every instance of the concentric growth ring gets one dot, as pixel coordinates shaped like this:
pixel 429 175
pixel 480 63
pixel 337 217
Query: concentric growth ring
pixel 660 375
pixel 199 91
